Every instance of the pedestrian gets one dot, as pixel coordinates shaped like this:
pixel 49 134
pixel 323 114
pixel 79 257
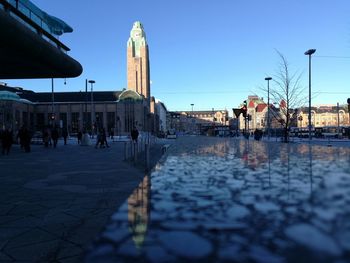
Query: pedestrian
pixel 104 138
pixel 54 136
pixel 20 137
pixel 6 140
pixel 79 136
pixel 65 135
pixel 98 140
pixel 46 138
pixel 134 134
pixel 26 138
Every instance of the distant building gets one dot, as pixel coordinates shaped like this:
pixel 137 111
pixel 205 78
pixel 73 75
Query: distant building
pixel 162 114
pixel 324 115
pixel 197 121
pixel 321 116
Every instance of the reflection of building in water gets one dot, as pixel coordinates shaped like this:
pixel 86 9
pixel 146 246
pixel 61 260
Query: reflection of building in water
pixel 138 211
pixel 252 153
pixel 219 148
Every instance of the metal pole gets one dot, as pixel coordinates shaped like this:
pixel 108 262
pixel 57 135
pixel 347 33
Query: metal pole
pixel 268 106
pixel 309 97
pixel 86 99
pixel 53 103
pixel 338 130
pixel 268 109
pixel 92 108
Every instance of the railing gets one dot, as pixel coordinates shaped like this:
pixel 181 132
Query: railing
pixel 33 21
pixel 140 149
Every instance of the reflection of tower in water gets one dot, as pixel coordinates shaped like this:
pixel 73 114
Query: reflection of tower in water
pixel 138 211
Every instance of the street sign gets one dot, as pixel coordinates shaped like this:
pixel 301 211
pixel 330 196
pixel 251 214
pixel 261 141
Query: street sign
pixel 237 112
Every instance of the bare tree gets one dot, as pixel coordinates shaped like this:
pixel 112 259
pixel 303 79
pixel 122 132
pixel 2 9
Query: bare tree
pixel 288 92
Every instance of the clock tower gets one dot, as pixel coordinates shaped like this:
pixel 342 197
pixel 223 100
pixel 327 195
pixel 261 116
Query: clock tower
pixel 138 62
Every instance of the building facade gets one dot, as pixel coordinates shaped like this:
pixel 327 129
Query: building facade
pixel 321 116
pixel 324 115
pixel 197 122
pixel 116 112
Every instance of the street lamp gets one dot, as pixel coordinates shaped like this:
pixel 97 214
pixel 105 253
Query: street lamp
pixel 309 53
pixel 92 104
pixel 52 103
pixel 268 106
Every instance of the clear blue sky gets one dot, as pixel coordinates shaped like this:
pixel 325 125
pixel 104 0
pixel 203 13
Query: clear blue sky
pixel 210 53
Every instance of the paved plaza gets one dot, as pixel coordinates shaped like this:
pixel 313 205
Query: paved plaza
pixel 54 202
pixel 234 200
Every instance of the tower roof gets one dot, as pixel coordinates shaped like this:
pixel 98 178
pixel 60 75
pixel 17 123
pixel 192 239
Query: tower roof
pixel 137 38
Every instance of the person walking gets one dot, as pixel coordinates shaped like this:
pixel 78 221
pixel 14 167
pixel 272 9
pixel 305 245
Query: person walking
pixel 46 138
pixel 20 136
pixel 104 138
pixel 134 134
pixel 6 140
pixel 98 140
pixel 79 137
pixel 65 135
pixel 54 136
pixel 26 137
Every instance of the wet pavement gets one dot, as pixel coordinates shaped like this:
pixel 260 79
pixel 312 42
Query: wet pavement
pixel 54 202
pixel 233 200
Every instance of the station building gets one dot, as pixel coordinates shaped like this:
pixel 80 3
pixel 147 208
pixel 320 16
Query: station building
pixel 115 111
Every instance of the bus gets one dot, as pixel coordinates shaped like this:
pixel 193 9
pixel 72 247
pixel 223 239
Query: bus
pixel 320 132
pixel 303 132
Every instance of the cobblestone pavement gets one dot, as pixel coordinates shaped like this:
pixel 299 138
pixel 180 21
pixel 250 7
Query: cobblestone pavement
pixel 231 200
pixel 54 202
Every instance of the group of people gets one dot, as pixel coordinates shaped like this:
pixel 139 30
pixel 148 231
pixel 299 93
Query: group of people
pixel 7 138
pixel 50 137
pixel 101 139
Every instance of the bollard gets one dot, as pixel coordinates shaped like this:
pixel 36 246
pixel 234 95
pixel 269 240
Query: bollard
pixel 135 152
pixel 147 156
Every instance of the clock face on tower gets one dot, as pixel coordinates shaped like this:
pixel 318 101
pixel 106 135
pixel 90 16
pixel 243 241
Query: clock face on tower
pixel 137 34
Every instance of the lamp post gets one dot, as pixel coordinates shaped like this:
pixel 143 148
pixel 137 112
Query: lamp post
pixel 92 105
pixel 86 101
pixel 268 106
pixel 52 103
pixel 309 53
